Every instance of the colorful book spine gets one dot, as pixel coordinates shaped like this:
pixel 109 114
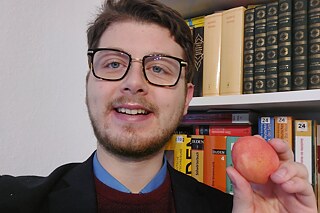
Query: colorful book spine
pixel 239 130
pixel 314 44
pixel 283 129
pixel 230 141
pixel 266 127
pixel 231 76
pixel 215 162
pixel 182 153
pixel 300 45
pixel 196 24
pixel 248 52
pixel 285 45
pixel 212 54
pixel 259 79
pixel 272 47
pixel 303 144
pixel 197 146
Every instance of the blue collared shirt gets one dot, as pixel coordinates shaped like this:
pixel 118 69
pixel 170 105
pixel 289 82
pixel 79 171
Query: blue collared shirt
pixel 106 178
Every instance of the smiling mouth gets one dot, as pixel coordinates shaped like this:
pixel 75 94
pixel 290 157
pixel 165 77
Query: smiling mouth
pixel 132 111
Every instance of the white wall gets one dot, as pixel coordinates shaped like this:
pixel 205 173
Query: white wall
pixel 43 118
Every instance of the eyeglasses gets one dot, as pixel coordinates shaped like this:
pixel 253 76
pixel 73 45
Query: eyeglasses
pixel 113 65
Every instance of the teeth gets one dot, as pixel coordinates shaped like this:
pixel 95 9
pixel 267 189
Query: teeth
pixel 132 111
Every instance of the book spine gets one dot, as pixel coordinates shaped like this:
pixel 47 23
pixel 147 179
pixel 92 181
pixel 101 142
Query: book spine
pixel 248 52
pixel 300 45
pixel 182 153
pixel 314 44
pixel 197 147
pixel 230 141
pixel 285 45
pixel 231 77
pixel 272 47
pixel 212 54
pixel 198 38
pixel 266 127
pixel 224 130
pixel 303 144
pixel 283 129
pixel 260 49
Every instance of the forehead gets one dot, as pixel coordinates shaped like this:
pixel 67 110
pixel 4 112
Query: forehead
pixel 140 38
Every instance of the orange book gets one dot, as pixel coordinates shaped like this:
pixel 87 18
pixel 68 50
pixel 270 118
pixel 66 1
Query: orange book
pixel 231 76
pixel 283 129
pixel 211 56
pixel 214 162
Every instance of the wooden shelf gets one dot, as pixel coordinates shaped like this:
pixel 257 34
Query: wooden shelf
pixel 293 101
pixel 192 8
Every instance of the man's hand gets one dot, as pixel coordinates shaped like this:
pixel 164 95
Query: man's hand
pixel 287 190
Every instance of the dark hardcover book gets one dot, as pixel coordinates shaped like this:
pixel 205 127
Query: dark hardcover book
pixel 285 45
pixel 259 79
pixel 272 48
pixel 198 37
pixel 248 52
pixel 314 44
pixel 300 45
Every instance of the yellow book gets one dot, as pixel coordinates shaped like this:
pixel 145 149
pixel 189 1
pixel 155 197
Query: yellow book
pixel 283 129
pixel 212 52
pixel 231 79
pixel 195 21
pixel 182 153
pixel 197 143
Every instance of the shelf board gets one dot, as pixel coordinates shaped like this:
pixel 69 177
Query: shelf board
pixel 192 8
pixel 293 101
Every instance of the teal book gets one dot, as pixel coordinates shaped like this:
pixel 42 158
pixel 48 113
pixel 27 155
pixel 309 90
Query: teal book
pixel 230 141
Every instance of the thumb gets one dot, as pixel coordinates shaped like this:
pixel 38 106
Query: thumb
pixel 243 194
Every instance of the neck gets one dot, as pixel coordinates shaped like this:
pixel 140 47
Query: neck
pixel 133 174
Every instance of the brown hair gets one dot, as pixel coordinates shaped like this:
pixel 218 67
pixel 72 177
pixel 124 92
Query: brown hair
pixel 148 11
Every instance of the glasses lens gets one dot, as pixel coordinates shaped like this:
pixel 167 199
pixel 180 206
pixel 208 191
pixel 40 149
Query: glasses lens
pixel 162 70
pixel 110 64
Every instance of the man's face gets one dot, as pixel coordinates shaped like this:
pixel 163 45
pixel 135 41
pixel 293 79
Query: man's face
pixel 132 118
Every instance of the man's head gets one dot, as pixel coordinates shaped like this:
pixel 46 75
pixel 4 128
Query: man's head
pixel 138 49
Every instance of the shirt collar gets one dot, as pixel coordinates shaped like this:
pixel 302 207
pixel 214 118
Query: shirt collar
pixel 106 178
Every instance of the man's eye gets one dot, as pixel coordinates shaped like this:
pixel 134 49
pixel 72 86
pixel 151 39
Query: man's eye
pixel 113 65
pixel 157 69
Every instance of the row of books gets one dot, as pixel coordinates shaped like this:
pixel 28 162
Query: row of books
pixel 205 154
pixel 269 47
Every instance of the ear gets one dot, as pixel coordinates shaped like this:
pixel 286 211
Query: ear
pixel 189 95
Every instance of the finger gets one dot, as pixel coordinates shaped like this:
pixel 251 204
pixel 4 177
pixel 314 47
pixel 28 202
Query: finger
pixel 243 194
pixel 288 170
pixel 282 148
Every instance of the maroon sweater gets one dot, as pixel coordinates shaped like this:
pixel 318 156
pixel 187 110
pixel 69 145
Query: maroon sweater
pixel 110 200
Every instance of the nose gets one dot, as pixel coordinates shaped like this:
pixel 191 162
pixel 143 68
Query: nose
pixel 135 82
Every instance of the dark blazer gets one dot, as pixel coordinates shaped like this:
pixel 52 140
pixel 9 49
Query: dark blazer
pixel 70 188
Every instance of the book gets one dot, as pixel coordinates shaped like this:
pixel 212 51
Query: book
pixel 272 47
pixel 220 117
pixel 266 127
pixel 303 144
pixel 212 54
pixel 237 130
pixel 300 45
pixel 259 79
pixel 197 146
pixel 285 45
pixel 283 129
pixel 248 52
pixel 231 76
pixel 196 25
pixel 230 141
pixel 214 162
pixel 181 146
pixel 314 45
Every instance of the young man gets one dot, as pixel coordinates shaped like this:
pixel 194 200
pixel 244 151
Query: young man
pixel 138 88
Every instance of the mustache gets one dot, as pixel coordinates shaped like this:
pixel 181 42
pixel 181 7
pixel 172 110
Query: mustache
pixel 133 99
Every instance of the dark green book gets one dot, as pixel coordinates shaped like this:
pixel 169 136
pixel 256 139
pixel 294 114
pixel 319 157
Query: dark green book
pixel 259 79
pixel 248 52
pixel 314 44
pixel 272 48
pixel 300 45
pixel 285 45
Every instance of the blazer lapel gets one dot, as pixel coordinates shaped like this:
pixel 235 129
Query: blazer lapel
pixel 76 192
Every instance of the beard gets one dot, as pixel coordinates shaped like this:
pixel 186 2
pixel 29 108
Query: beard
pixel 132 143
